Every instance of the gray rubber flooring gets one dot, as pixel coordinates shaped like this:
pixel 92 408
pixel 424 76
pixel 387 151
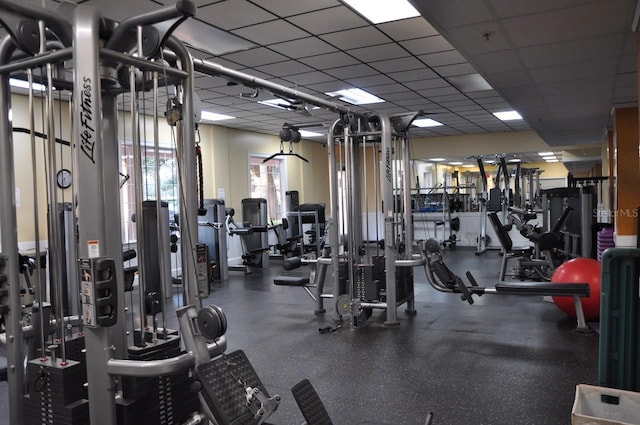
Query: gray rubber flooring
pixel 503 360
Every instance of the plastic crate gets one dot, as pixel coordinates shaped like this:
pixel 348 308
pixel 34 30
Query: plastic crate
pixel 599 405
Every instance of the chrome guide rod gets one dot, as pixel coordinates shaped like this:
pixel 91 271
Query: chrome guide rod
pixel 334 229
pixel 156 146
pixel 187 153
pixel 137 180
pixel 40 291
pixel 55 234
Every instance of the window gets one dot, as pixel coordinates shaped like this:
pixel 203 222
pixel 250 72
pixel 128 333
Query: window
pixel 168 170
pixel 267 180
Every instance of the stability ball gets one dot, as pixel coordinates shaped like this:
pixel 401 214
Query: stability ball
pixel 580 270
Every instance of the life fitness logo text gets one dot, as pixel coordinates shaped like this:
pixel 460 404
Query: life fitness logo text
pixel 87 132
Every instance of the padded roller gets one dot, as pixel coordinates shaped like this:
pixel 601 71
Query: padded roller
pixel 291 263
pixel 291 281
pixel 543 288
pixel 212 322
pixel 310 404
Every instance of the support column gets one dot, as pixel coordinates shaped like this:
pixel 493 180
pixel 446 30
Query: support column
pixel 627 175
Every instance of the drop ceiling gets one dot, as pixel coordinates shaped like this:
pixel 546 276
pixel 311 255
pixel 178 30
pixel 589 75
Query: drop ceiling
pixel 561 64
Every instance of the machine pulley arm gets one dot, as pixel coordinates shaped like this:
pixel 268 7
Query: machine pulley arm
pixel 26 32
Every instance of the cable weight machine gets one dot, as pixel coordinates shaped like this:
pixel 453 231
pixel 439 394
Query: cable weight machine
pixel 374 153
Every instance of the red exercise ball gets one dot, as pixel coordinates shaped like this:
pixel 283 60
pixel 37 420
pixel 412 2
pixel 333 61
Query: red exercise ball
pixel 580 270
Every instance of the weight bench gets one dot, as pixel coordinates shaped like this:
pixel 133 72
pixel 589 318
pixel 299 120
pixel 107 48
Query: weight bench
pixel 314 281
pixel 444 280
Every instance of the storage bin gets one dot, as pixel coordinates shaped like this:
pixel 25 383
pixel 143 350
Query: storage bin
pixel 599 406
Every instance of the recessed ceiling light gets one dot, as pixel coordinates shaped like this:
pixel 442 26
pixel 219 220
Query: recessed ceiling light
pixel 552 160
pixel 379 11
pixel 426 122
pixel 355 96
pixel 437 159
pixel 515 160
pixel 212 116
pixel 468 166
pixel 548 157
pixel 507 115
pixel 276 103
pixel 545 153
pixel 307 133
pixel 455 163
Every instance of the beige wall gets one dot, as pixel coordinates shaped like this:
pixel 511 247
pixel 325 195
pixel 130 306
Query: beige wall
pixel 226 152
pixel 478 144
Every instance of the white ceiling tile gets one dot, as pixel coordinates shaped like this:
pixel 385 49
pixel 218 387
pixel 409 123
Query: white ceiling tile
pixel 369 81
pixel 570 51
pixel 378 53
pixel 406 29
pixel 421 46
pixel 293 7
pixel 333 19
pixel 357 37
pixel 457 69
pixel 255 57
pixel 454 13
pixel 303 47
pixel 388 89
pixel 500 61
pixel 284 68
pixel 328 86
pixel 312 77
pixel 440 91
pixel 413 75
pixel 352 71
pixel 330 60
pixel 442 58
pixel 398 64
pixel 586 21
pixel 271 32
pixel 575 71
pixel 229 15
pixel 427 84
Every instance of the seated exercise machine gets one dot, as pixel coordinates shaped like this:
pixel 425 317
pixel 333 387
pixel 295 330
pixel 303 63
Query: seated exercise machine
pixel 537 261
pixel 441 278
pixel 253 248
pixel 313 285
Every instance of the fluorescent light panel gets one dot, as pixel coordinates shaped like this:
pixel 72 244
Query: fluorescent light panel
pixel 307 133
pixel 426 122
pixel 552 160
pixel 455 163
pixel 355 96
pixel 545 153
pixel 212 116
pixel 515 160
pixel 507 115
pixel 546 158
pixel 437 159
pixel 379 11
pixel 276 103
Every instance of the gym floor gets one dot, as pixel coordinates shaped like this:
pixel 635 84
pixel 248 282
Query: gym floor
pixel 503 360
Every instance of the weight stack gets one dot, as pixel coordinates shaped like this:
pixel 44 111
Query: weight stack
pixel 619 354
pixel 57 394
pixel 165 400
pixel 404 280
